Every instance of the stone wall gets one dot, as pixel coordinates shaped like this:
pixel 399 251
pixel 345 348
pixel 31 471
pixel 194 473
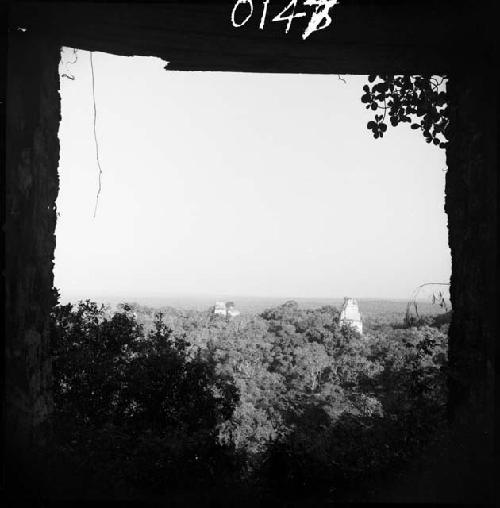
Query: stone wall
pixel 471 206
pixel 32 146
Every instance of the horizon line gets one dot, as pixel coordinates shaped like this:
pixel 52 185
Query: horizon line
pixel 221 297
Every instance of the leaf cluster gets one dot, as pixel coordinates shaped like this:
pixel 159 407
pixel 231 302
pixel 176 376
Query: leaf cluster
pixel 418 100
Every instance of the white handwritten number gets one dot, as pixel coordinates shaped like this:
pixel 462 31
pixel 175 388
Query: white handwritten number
pixel 264 14
pixel 235 8
pixel 320 15
pixel 289 18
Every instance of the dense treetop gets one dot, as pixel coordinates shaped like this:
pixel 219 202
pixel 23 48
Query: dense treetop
pixel 151 402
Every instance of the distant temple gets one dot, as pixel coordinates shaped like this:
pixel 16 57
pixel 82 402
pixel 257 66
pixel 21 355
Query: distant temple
pixel 226 309
pixel 350 315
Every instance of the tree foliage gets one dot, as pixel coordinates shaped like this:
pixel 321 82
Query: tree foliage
pixel 135 408
pixel 285 399
pixel 419 100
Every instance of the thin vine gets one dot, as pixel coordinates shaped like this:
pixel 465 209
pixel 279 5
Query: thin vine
pixel 438 298
pixel 95 135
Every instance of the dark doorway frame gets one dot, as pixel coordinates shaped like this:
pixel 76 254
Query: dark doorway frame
pixel 366 37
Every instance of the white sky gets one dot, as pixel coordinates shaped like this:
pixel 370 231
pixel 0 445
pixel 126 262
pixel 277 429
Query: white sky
pixel 242 184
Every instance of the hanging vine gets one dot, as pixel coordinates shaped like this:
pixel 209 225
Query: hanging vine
pixel 95 135
pixel 437 298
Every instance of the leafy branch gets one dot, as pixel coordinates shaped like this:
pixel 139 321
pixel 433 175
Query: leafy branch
pixel 419 100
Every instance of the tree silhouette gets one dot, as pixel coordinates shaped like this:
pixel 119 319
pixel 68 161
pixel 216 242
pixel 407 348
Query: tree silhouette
pixel 419 100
